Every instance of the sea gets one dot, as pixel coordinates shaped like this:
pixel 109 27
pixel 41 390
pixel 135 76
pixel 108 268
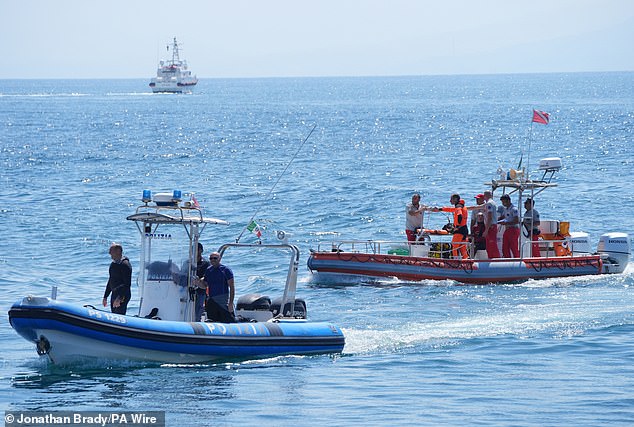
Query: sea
pixel 323 159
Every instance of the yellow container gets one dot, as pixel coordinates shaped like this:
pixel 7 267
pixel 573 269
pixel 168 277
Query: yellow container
pixel 564 228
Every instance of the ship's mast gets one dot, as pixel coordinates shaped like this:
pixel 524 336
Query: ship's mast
pixel 175 58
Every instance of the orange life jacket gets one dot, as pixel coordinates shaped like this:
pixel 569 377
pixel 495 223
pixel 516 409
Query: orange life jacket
pixel 459 215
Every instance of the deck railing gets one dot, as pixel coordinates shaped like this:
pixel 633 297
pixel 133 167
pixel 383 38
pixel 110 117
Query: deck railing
pixel 438 248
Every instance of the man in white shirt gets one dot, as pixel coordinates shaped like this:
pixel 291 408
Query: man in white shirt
pixel 491 228
pixel 413 217
pixel 531 224
pixel 511 221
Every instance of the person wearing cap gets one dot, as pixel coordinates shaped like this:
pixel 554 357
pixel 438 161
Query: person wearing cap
pixel 477 233
pixel 479 198
pixel 510 219
pixel 460 231
pixel 531 223
pixel 200 288
pixel 491 227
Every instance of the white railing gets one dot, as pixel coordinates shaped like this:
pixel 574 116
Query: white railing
pixel 437 248
pixel 550 248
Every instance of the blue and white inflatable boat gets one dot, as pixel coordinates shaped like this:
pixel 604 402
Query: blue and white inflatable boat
pixel 66 332
pixel 164 329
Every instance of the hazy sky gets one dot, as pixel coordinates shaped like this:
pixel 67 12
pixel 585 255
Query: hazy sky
pixel 251 38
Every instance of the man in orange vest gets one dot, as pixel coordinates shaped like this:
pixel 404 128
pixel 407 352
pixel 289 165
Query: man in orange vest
pixel 460 230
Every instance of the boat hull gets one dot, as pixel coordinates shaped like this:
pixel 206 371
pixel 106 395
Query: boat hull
pixel 464 271
pixel 172 87
pixel 66 333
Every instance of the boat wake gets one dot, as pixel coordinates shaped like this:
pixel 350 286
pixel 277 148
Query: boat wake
pixel 129 94
pixel 44 95
pixel 555 320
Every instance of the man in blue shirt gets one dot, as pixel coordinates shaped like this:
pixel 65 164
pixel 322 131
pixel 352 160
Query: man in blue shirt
pixel 220 291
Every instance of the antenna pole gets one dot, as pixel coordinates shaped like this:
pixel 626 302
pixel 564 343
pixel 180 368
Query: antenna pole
pixel 528 160
pixel 276 182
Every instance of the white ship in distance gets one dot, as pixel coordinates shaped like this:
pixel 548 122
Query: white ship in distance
pixel 172 75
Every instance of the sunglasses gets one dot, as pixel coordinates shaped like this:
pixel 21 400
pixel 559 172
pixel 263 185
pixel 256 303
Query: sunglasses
pixel 214 257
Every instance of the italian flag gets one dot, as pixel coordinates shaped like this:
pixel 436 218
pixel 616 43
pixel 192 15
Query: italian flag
pixel 254 228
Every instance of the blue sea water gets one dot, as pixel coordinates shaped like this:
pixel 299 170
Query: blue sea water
pixel 75 156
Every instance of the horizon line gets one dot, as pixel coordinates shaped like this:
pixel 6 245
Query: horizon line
pixel 333 76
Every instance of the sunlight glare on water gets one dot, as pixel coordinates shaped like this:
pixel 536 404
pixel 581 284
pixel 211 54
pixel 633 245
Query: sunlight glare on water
pixel 76 156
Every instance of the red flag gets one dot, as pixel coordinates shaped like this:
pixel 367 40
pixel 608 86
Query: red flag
pixel 540 117
pixel 195 202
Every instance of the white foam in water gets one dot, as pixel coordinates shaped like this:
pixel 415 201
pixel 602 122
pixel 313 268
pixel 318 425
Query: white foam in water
pixel 569 315
pixel 78 153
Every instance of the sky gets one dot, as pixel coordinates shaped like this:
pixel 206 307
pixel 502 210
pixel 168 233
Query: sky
pixel 292 38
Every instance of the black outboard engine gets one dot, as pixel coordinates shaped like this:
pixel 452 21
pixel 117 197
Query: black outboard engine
pixel 298 313
pixel 253 302
pixel 254 307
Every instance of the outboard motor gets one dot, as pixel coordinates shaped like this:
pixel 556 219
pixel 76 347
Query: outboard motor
pixel 579 243
pixel 254 307
pixel 298 313
pixel 615 250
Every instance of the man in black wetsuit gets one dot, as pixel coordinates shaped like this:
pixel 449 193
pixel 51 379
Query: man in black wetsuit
pixel 119 282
